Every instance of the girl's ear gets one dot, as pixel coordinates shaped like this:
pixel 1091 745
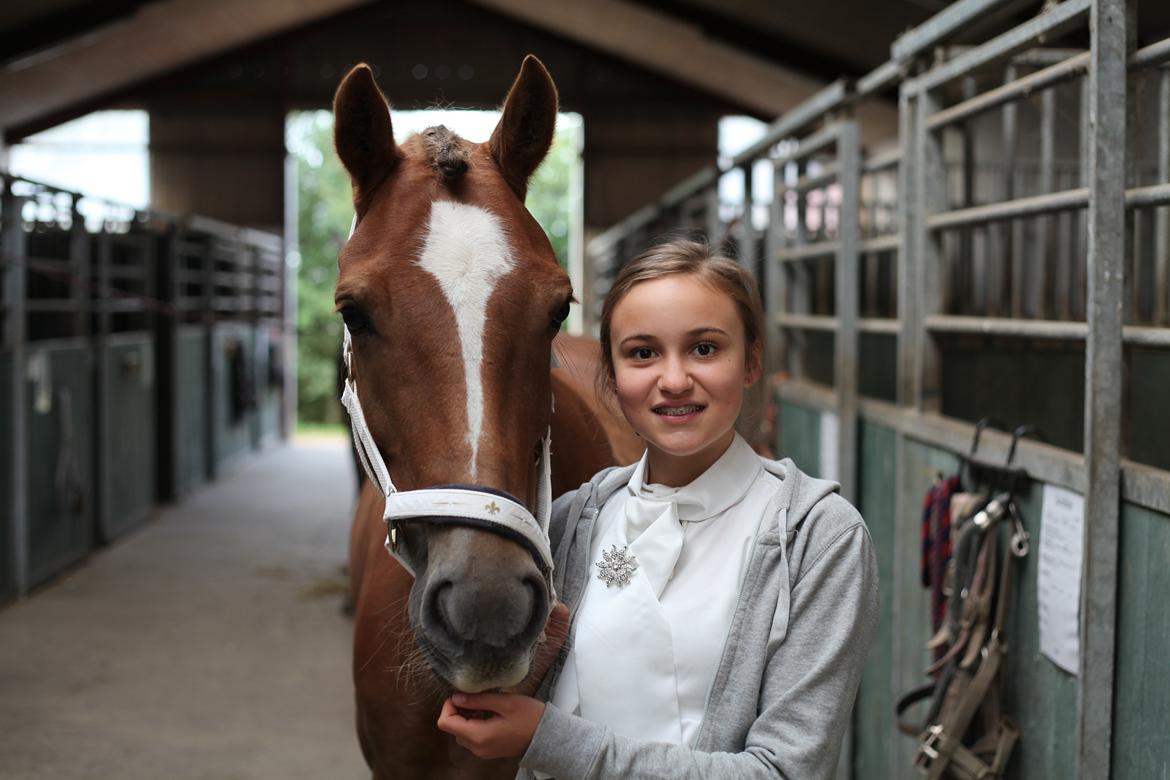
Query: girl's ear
pixel 754 364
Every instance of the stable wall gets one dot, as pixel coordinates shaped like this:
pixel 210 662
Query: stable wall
pixel 634 154
pixel 1036 693
pixel 217 129
pixel 221 161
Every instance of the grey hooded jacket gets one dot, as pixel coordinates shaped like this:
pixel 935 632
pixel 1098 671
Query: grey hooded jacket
pixel 785 685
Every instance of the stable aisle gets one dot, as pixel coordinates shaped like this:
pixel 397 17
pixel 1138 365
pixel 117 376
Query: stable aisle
pixel 209 645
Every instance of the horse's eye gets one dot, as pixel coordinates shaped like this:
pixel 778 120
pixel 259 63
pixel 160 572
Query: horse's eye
pixel 355 321
pixel 561 315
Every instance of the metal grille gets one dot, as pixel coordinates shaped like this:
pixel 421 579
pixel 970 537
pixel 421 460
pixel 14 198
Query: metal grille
pixel 999 188
pixel 1011 248
pixel 102 305
pixel 53 255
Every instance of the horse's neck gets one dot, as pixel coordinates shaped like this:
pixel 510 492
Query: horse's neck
pixel 585 418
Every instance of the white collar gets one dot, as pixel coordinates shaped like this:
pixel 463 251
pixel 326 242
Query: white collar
pixel 721 486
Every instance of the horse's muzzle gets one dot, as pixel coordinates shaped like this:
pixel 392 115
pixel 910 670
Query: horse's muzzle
pixel 479 607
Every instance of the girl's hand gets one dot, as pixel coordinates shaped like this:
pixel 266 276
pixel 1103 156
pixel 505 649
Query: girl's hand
pixel 491 725
pixel 499 725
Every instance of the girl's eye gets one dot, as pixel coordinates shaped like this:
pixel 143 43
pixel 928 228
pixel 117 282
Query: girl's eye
pixel 641 353
pixel 705 349
pixel 355 321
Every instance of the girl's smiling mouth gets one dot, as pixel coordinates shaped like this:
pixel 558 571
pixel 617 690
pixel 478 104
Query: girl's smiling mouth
pixel 679 412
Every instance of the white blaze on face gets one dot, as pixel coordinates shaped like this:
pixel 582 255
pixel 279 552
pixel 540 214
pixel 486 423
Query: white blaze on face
pixel 467 252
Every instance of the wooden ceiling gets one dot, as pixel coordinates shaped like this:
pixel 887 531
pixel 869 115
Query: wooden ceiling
pixel 62 58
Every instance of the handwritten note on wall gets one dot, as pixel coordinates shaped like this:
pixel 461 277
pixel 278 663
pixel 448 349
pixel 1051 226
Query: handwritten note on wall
pixel 1058 584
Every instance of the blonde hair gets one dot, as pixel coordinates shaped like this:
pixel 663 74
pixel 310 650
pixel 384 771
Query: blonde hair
pixel 693 259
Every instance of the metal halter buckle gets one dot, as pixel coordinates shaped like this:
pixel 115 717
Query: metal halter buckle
pixel 928 749
pixel 1020 540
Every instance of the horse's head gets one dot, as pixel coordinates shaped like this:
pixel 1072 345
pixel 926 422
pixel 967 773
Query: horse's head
pixel 451 294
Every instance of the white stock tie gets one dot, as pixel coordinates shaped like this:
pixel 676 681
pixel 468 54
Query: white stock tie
pixel 655 537
pixel 623 639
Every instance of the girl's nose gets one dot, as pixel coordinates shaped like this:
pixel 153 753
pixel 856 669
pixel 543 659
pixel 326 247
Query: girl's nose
pixel 675 378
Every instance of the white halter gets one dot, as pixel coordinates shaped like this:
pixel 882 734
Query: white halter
pixel 462 504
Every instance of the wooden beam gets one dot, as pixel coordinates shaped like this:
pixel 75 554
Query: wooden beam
pixel 1113 24
pixel 160 37
pixel 681 51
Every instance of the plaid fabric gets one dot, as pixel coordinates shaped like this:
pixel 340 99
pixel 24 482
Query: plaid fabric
pixel 936 544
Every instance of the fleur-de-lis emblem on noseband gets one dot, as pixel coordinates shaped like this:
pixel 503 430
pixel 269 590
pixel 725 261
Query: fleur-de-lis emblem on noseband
pixel 493 508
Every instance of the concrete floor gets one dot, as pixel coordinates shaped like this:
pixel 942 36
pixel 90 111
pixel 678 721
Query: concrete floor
pixel 208 645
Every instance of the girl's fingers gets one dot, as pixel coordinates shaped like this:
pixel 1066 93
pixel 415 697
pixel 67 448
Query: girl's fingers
pixel 451 720
pixel 491 725
pixel 500 703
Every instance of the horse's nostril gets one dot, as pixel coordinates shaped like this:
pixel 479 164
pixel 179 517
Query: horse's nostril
pixel 444 609
pixel 501 613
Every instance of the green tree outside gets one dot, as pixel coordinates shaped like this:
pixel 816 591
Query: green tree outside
pixel 324 216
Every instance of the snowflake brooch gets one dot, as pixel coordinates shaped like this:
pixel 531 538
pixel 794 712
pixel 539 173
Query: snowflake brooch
pixel 616 567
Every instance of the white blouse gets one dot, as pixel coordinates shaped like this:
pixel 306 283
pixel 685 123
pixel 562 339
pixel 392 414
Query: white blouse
pixel 644 655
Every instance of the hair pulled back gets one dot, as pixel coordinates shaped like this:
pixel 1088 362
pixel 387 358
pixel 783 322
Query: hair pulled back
pixel 693 259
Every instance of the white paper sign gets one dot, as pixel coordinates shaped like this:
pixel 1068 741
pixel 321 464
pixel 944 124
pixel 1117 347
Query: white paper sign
pixel 1058 582
pixel 829 434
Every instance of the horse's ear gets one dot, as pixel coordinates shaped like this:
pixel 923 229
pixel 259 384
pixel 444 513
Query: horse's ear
pixel 362 132
pixel 525 132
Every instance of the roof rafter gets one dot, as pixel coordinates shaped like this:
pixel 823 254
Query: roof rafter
pixel 160 37
pixel 681 51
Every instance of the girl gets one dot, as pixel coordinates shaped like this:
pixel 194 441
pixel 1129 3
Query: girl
pixel 722 605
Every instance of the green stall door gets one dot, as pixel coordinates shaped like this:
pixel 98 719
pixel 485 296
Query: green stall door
pixel 1141 706
pixel 233 361
pixel 127 463
pixel 268 385
pixel 59 461
pixel 191 384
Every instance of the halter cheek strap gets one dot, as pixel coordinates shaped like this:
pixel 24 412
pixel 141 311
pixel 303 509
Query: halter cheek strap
pixel 475 506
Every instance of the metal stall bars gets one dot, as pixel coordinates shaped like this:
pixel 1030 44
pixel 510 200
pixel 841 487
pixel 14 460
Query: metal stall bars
pixel 13 530
pixel 810 249
pixel 1116 315
pixel 50 388
pixel 231 341
pixel 221 345
pixel 266 313
pixel 243 281
pixel 990 261
pixel 799 287
pixel 799 283
pixel 812 276
pixel 186 432
pixel 87 316
pixel 124 305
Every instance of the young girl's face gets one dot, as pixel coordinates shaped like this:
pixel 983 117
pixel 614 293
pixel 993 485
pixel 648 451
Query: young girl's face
pixel 680 366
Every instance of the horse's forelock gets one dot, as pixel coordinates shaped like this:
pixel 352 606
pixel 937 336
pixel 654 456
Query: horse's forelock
pixel 447 152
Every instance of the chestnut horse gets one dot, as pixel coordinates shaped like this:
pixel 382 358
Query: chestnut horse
pixel 452 297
